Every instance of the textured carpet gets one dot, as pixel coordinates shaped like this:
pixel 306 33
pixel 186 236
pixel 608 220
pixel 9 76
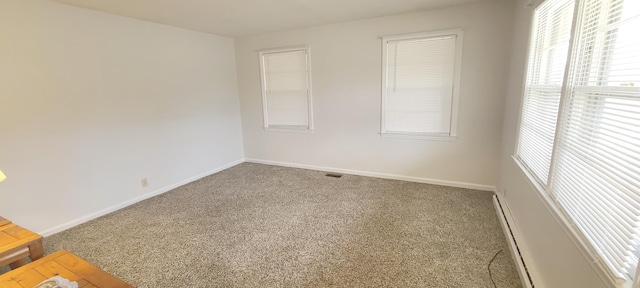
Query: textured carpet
pixel 257 225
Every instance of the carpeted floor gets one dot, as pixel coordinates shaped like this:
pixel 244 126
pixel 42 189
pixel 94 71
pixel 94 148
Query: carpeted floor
pixel 257 225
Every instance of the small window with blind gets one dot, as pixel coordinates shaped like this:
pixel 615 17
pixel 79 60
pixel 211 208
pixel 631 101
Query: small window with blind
pixel 286 89
pixel 421 75
pixel 579 137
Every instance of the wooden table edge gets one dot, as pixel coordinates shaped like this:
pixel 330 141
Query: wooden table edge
pixel 4 221
pixel 21 242
pixel 52 257
pixel 37 262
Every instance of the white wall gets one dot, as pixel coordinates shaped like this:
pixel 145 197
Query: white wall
pixel 90 103
pixel 551 257
pixel 346 68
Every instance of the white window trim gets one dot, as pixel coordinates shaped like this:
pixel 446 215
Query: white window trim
pixel 453 132
pixel 418 136
pixel 563 219
pixel 286 128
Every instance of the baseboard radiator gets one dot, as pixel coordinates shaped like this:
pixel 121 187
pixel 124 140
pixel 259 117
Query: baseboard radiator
pixel 525 277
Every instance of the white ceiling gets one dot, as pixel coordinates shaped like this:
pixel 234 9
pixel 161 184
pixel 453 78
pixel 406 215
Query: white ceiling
pixel 248 17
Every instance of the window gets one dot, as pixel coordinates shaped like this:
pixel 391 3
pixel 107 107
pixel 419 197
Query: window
pixel 545 76
pixel 581 141
pixel 286 89
pixel 420 75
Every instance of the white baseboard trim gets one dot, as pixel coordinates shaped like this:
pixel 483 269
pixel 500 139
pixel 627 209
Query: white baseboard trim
pixel 129 202
pixel 165 189
pixel 377 175
pixel 513 237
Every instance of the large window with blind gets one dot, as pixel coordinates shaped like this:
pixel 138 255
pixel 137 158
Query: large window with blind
pixel 420 84
pixel 286 89
pixel 579 136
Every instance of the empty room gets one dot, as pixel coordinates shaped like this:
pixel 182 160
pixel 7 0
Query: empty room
pixel 309 143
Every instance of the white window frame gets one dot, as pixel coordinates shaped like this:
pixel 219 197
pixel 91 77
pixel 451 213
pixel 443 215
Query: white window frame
pixel 543 191
pixel 263 81
pixel 453 127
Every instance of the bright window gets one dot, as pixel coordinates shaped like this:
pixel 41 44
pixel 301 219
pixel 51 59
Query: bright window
pixel 286 89
pixel 581 141
pixel 545 76
pixel 420 84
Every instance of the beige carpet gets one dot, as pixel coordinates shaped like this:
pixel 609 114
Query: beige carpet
pixel 265 226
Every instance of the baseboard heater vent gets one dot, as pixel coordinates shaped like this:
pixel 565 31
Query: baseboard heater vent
pixel 527 282
pixel 333 175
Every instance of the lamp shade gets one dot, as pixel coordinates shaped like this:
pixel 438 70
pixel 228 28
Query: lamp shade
pixel 2 176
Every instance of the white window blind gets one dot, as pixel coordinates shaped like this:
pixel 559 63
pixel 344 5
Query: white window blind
pixel 547 60
pixel 419 82
pixel 597 166
pixel 590 166
pixel 286 92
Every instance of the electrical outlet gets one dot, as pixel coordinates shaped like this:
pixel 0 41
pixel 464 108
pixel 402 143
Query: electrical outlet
pixel 144 182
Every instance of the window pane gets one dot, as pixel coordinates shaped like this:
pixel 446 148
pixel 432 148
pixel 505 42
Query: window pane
pixel 597 171
pixel 547 61
pixel 286 88
pixel 419 83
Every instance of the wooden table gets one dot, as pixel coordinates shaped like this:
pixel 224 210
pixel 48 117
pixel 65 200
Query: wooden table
pixel 4 221
pixel 65 265
pixel 17 243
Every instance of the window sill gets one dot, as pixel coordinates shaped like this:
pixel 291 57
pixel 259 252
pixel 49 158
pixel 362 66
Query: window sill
pixel 419 136
pixel 289 129
pixel 571 231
